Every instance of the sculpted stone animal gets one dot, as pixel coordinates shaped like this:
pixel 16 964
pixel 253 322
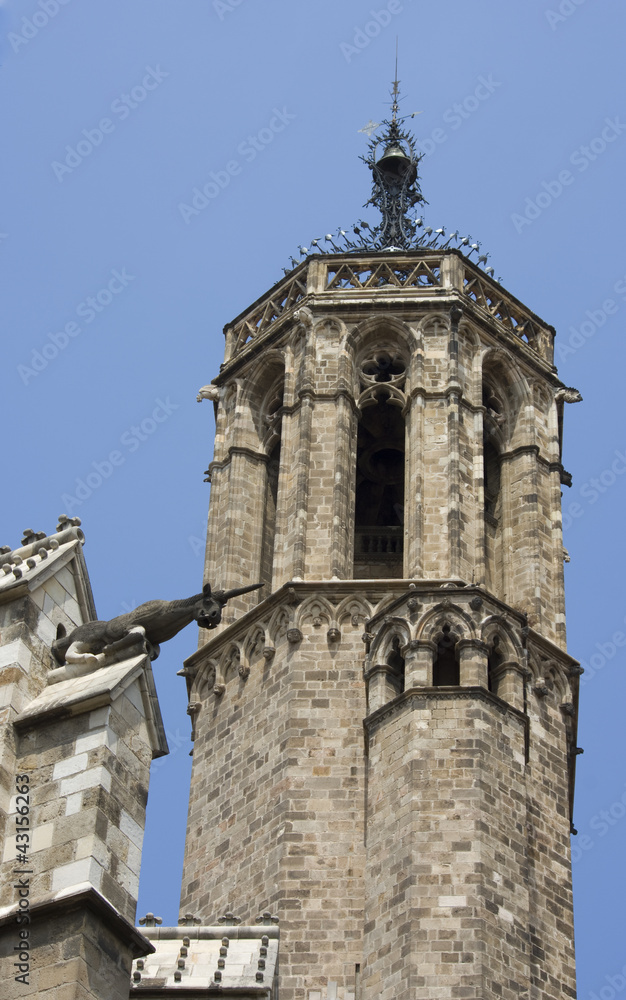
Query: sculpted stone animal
pixel 157 620
pixel 569 395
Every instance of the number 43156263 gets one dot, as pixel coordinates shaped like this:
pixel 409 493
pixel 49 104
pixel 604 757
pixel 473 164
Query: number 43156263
pixel 22 808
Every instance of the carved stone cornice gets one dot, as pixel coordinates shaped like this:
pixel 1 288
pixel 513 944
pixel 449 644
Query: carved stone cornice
pixel 256 456
pixel 373 721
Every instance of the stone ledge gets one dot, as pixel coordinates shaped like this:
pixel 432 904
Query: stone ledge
pixel 447 694
pixel 78 695
pixel 212 932
pixel 82 897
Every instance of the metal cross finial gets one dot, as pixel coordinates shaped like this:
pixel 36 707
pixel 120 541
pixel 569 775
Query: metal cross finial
pixel 395 88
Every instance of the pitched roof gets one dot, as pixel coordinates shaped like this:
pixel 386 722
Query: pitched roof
pixel 41 557
pixel 224 958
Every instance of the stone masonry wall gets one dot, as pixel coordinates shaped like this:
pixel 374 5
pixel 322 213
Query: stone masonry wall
pixel 28 625
pixel 75 957
pixel 276 807
pixel 467 855
pixel 463 892
pixel 89 778
pixel 444 414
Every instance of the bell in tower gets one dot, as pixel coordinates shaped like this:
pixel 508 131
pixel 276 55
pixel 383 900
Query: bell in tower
pixel 385 735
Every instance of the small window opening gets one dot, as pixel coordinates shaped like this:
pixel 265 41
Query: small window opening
pixel 490 400
pixel 495 657
pixel 269 519
pixel 379 502
pixel 446 666
pixel 491 460
pixel 395 660
pixel 274 404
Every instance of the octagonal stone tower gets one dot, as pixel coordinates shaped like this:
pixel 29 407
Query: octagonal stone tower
pixel 385 737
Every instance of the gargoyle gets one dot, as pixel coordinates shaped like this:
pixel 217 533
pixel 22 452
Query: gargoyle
pixel 156 620
pixel 208 392
pixel 568 395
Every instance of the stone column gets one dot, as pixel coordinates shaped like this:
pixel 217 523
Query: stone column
pixel 508 681
pixel 413 493
pixel 380 686
pixel 453 394
pixel 419 656
pixel 473 663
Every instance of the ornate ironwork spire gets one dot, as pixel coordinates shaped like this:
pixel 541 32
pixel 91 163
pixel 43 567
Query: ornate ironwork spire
pixel 396 188
pixel 395 191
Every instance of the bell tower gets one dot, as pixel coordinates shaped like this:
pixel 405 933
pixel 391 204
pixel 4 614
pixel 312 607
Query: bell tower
pixel 385 735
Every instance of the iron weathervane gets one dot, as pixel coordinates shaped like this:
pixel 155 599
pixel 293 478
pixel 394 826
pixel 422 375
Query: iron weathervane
pixel 395 192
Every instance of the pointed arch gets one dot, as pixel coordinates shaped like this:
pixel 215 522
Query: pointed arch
pixel 382 326
pixel 497 625
pixel 265 399
pixel 393 625
pixel 278 625
pixel 387 656
pixel 446 664
pixel 380 349
pixel 435 324
pixel 315 611
pixel 230 662
pixel 357 610
pixel 254 644
pixel 444 625
pixel 549 679
pixel 203 683
pixel 505 395
pixel 501 399
pixel 431 621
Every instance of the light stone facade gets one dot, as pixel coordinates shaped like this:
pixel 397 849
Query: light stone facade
pixel 385 736
pixel 76 753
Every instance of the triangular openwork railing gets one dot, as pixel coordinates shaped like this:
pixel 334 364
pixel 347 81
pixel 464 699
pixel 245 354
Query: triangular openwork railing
pixel 269 311
pixel 370 274
pixel 422 274
pixel 502 309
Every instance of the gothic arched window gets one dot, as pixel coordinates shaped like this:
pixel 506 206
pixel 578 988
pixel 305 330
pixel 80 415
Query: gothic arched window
pixel 446 664
pixel 493 424
pixel 379 499
pixel 495 657
pixel 272 413
pixel 395 660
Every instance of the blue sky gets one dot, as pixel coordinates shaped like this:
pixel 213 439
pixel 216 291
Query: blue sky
pixel 114 297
